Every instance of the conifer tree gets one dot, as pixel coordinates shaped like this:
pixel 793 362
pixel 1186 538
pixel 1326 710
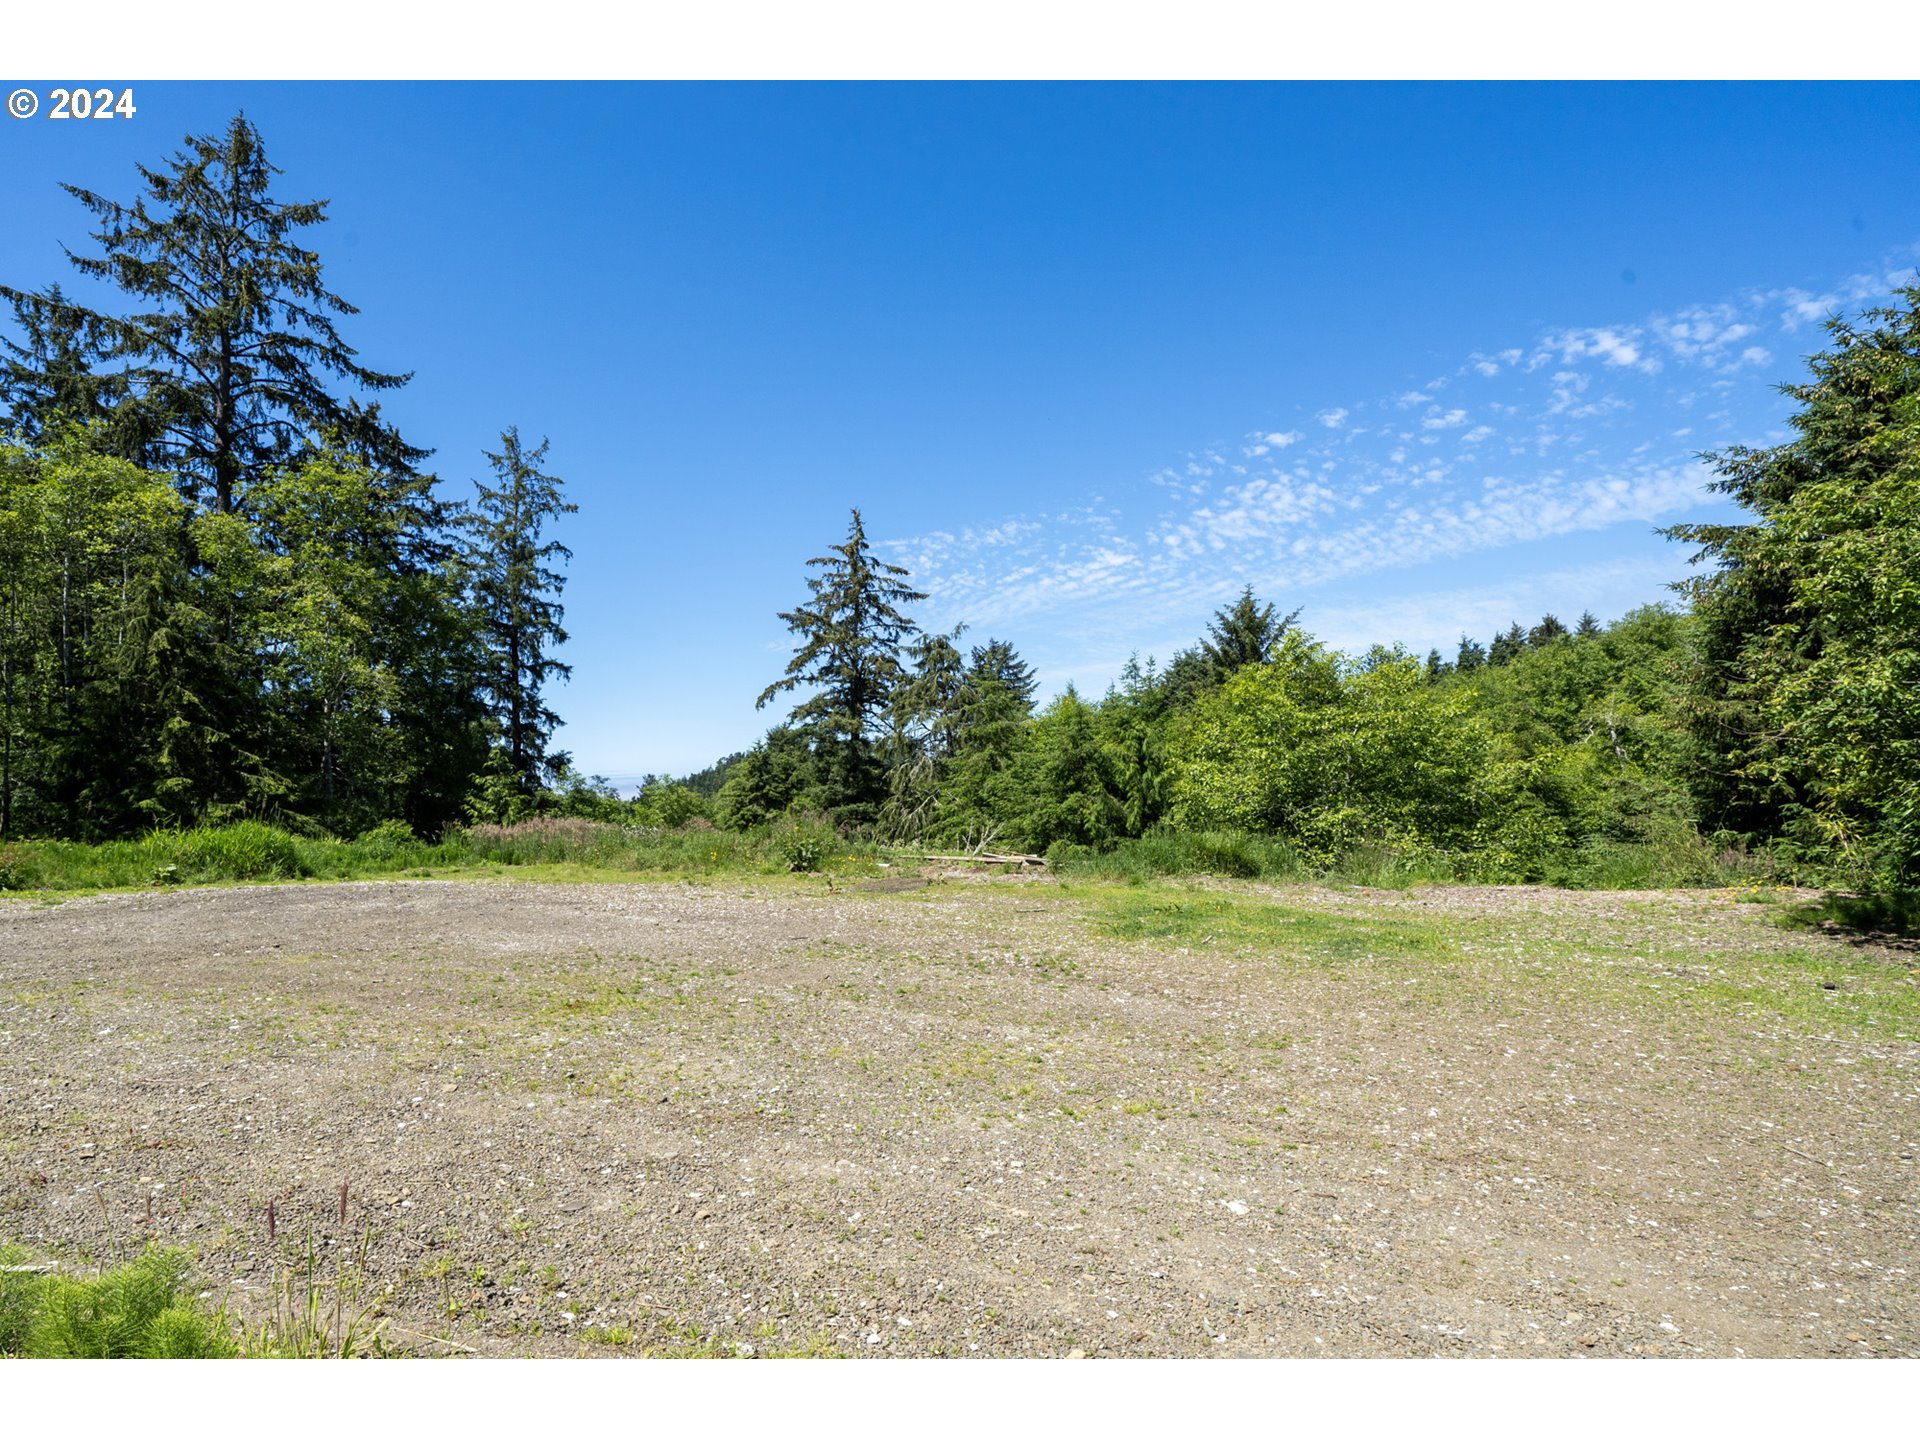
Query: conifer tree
pixel 997 662
pixel 1588 627
pixel 518 595
pixel 226 371
pixel 849 656
pixel 1805 697
pixel 1546 632
pixel 47 374
pixel 1507 645
pixel 1472 655
pixel 1243 633
pixel 928 708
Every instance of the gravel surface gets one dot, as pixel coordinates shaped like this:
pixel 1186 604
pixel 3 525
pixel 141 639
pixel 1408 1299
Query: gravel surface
pixel 993 1118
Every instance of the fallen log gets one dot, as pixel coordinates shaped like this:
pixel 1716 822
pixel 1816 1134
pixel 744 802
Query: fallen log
pixel 992 859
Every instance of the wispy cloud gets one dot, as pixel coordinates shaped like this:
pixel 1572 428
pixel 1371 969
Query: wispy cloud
pixel 1582 428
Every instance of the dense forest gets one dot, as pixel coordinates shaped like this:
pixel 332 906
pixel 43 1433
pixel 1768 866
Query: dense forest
pixel 227 591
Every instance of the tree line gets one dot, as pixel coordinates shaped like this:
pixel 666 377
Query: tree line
pixel 1768 722
pixel 228 588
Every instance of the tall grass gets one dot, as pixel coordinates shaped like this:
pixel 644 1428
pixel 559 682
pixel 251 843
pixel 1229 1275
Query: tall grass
pixel 1228 853
pixel 246 850
pixel 1678 861
pixel 251 851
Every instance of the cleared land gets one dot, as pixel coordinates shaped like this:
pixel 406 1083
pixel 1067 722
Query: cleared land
pixel 995 1118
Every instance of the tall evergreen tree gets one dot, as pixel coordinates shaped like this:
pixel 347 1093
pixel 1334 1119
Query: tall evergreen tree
pixel 1472 655
pixel 48 373
pixel 928 708
pixel 849 655
pixel 1588 627
pixel 1508 645
pixel 517 593
pixel 1243 633
pixel 226 373
pixel 1546 632
pixel 997 662
pixel 1806 694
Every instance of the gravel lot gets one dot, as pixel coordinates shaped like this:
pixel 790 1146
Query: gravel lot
pixel 993 1118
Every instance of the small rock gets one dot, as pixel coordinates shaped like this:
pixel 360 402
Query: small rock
pixel 1076 1354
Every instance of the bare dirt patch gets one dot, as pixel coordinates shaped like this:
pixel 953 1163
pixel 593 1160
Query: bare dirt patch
pixel 995 1119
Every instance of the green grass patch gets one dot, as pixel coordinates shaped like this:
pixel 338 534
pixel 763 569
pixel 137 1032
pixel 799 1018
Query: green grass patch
pixel 550 848
pixel 1242 923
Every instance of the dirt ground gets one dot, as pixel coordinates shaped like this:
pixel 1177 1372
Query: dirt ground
pixel 1005 1118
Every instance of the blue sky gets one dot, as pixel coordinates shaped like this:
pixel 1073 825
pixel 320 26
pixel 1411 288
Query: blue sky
pixel 1416 359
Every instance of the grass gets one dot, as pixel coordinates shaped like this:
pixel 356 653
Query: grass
pixel 1679 862
pixel 316 1315
pixel 556 848
pixel 1470 956
pixel 1239 922
pixel 249 851
pixel 141 1309
pixel 1896 912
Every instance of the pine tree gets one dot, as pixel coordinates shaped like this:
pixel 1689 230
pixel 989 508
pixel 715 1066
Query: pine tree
pixel 47 375
pixel 1507 645
pixel 928 708
pixel 1472 655
pixel 1588 628
pixel 1546 632
pixel 226 374
pixel 1243 633
pixel 849 656
pixel 518 597
pixel 999 663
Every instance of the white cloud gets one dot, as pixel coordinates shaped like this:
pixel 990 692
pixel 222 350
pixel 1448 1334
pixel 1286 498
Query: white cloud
pixel 1614 346
pixel 1594 433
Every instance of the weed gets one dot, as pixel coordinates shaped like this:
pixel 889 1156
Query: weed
pixel 134 1310
pixel 317 1316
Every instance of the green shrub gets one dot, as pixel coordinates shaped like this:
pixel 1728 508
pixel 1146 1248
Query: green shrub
pixel 131 1311
pixel 1232 854
pixel 804 842
pixel 387 841
pixel 670 806
pixel 20 1288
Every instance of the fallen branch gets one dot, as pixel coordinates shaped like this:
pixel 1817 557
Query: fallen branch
pixel 436 1339
pixel 989 859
